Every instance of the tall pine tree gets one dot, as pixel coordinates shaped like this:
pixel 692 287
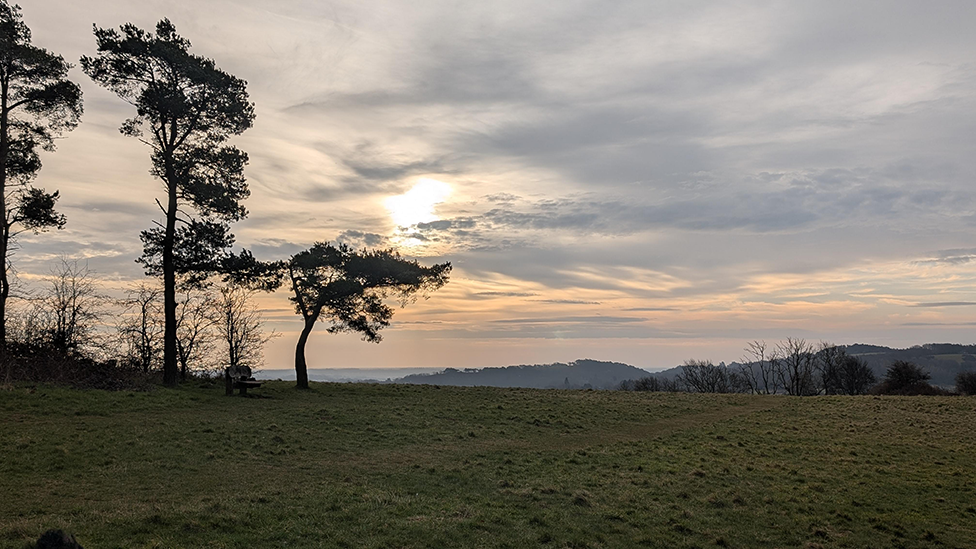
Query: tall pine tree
pixel 186 109
pixel 37 104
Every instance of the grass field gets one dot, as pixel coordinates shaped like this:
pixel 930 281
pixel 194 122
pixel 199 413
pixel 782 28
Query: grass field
pixel 347 465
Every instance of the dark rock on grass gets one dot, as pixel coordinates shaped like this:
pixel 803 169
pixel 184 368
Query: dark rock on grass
pixel 57 539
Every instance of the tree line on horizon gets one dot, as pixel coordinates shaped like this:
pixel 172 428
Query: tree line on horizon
pixel 186 110
pixel 798 368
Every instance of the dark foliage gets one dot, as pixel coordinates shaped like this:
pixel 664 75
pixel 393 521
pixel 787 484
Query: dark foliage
pixel 855 377
pixel 26 363
pixel 200 249
pixel 966 383
pixel 843 374
pixel 647 383
pixel 906 378
pixel 902 374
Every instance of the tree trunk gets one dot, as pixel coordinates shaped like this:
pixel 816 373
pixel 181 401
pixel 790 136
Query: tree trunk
pixel 4 287
pixel 301 369
pixel 4 218
pixel 170 368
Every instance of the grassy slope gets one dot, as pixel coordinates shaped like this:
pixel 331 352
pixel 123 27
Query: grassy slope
pixel 416 466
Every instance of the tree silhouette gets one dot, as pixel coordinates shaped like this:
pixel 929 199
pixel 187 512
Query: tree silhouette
pixel 240 327
pixel 186 108
pixel 343 287
pixel 904 377
pixel 37 104
pixel 70 308
pixel 139 327
pixel 758 369
pixel 795 367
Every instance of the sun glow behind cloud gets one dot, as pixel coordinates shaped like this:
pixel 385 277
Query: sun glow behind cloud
pixel 417 205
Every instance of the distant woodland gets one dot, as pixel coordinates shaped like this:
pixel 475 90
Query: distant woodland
pixel 791 367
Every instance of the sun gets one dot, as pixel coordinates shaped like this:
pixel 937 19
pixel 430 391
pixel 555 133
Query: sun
pixel 417 205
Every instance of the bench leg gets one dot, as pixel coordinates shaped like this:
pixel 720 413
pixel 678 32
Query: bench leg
pixel 243 390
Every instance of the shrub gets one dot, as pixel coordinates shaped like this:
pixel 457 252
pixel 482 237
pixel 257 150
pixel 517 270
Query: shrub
pixel 26 363
pixel 904 378
pixel 966 383
pixel 649 383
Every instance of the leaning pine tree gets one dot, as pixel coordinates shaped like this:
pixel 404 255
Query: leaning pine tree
pixel 345 288
pixel 37 104
pixel 186 109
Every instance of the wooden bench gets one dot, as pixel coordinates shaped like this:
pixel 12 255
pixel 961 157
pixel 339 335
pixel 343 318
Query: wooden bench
pixel 239 377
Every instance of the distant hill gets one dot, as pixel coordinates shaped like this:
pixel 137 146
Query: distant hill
pixel 942 360
pixel 580 374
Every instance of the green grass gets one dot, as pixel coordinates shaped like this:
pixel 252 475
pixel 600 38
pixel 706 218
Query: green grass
pixel 347 465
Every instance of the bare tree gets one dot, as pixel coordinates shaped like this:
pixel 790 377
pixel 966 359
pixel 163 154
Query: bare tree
pixel 70 309
pixel 240 327
pixel 196 337
pixel 140 328
pixel 795 366
pixel 758 370
pixel 701 376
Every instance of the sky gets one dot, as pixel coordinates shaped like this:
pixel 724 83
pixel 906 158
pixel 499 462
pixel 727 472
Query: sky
pixel 643 182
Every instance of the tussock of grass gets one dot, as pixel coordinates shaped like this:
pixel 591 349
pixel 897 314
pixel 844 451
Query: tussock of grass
pixel 412 466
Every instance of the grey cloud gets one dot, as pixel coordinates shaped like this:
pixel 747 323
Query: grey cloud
pixel 572 320
pixel 373 161
pixel 444 224
pixel 923 324
pixel 567 301
pixel 949 257
pixel 274 249
pixel 606 144
pixel 349 187
pixel 502 197
pixel 383 172
pixel 783 211
pixel 359 239
pixel 946 304
pixel 505 294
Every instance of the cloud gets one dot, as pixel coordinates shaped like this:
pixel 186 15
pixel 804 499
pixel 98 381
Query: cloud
pixel 360 239
pixel 923 324
pixel 567 301
pixel 572 320
pixel 949 257
pixel 505 294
